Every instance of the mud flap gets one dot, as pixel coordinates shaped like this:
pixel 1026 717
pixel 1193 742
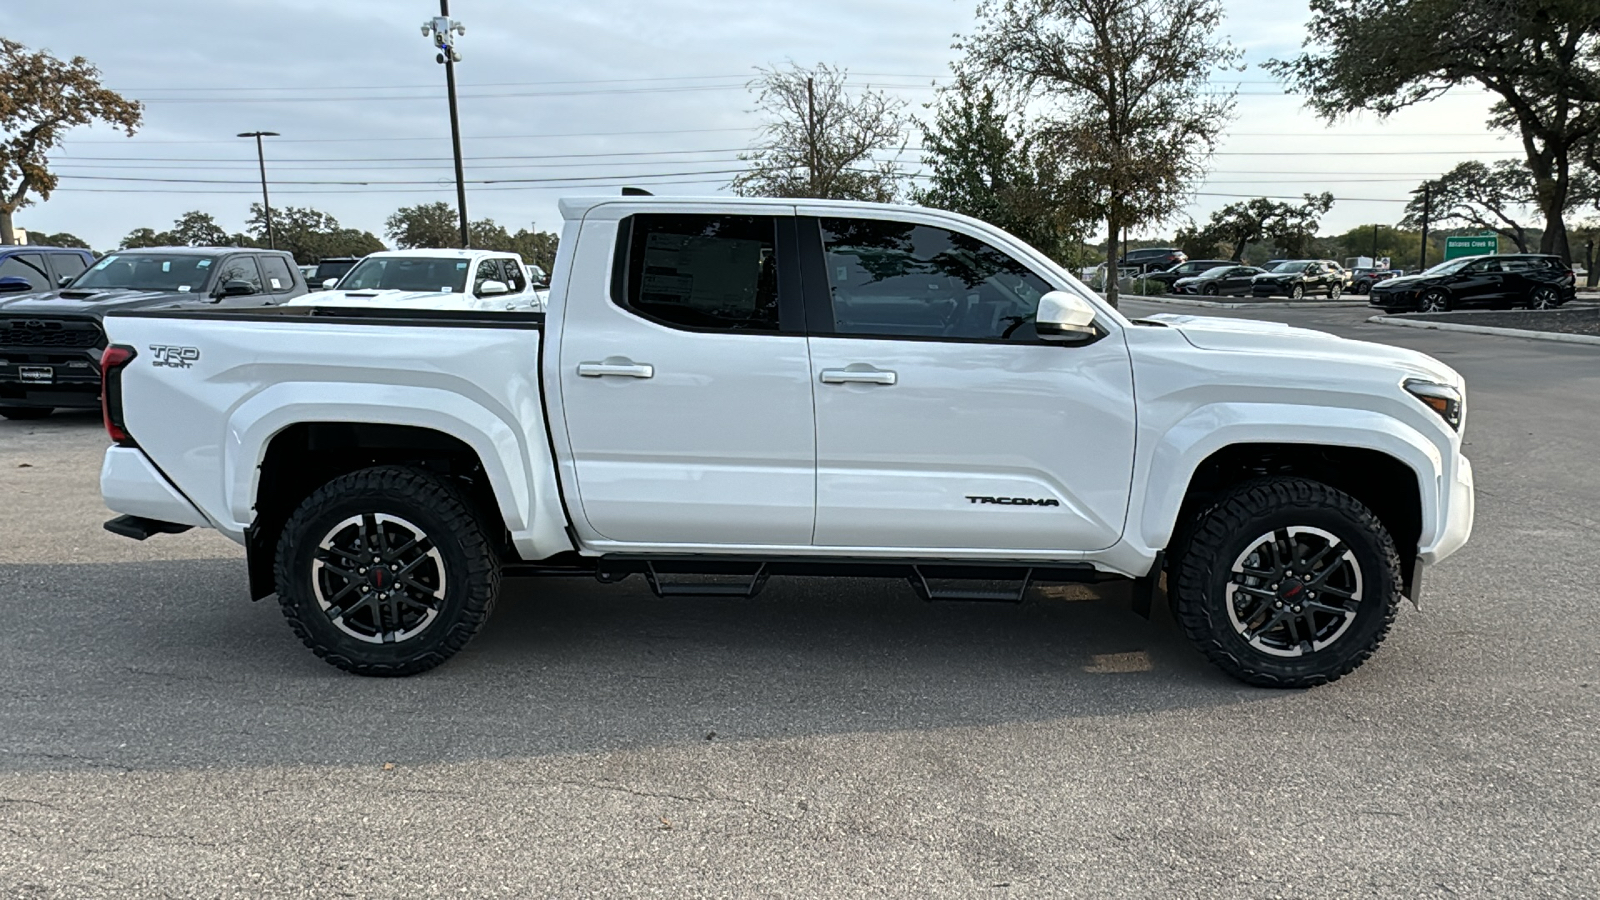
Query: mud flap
pixel 1146 587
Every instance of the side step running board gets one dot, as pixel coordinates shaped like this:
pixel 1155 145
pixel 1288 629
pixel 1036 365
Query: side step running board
pixel 139 528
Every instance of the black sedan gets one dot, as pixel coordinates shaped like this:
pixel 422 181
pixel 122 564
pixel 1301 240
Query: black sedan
pixel 1512 279
pixel 1230 280
pixel 1298 277
pixel 1188 269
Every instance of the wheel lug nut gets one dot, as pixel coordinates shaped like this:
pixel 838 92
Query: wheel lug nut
pixel 1308 576
pixel 365 589
pixel 1278 604
pixel 1297 609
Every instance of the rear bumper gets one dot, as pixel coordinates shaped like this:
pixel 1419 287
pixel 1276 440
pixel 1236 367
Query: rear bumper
pixel 132 485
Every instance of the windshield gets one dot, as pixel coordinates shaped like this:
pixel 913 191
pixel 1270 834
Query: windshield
pixel 1216 272
pixel 1450 267
pixel 147 272
pixel 407 273
pixel 1291 267
pixel 326 269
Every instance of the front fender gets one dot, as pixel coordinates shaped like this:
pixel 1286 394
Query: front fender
pixel 1167 470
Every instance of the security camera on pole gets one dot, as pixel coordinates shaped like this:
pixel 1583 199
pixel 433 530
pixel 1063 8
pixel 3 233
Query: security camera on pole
pixel 443 32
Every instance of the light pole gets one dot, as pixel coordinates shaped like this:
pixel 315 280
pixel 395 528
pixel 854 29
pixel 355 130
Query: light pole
pixel 266 202
pixel 443 31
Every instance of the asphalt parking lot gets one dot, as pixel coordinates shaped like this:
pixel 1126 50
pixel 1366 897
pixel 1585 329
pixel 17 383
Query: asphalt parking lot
pixel 161 735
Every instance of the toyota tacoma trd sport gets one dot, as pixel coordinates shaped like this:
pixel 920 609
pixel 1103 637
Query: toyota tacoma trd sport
pixel 722 391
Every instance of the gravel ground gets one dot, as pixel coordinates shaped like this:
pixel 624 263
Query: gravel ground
pixel 1568 320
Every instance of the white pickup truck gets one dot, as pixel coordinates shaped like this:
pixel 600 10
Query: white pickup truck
pixel 723 390
pixel 485 280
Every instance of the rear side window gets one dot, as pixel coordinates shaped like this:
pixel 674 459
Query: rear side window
pixel 898 279
pixel 67 265
pixel 276 271
pixel 29 267
pixel 514 277
pixel 702 272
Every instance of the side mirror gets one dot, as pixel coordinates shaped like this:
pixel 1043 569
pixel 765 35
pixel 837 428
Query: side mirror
pixel 1064 317
pixel 237 289
pixel 65 280
pixel 489 288
pixel 328 283
pixel 11 284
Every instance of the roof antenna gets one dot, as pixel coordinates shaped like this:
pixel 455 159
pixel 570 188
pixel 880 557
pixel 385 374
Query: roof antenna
pixel 636 192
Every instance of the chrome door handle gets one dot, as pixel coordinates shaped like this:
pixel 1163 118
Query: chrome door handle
pixel 858 376
pixel 626 370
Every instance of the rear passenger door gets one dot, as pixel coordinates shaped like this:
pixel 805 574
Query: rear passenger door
pixel 279 280
pixel 684 381
pixel 943 421
pixel 66 266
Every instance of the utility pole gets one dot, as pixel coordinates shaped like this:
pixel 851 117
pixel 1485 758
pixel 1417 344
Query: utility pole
pixel 266 202
pixel 1427 210
pixel 1375 244
pixel 443 32
pixel 811 134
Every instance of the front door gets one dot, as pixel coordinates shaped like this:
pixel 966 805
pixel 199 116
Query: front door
pixel 686 382
pixel 943 421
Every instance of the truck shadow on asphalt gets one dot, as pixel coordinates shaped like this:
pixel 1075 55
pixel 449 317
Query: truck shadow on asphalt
pixel 168 665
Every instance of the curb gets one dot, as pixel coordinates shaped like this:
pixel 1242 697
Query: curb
pixel 1490 329
pixel 1270 304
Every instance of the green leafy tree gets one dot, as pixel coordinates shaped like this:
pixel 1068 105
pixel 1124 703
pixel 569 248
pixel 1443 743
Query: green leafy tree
pixel 42 98
pixel 1122 92
pixel 820 139
pixel 1291 227
pixel 59 239
pixel 424 225
pixel 148 237
pixel 309 234
pixel 198 229
pixel 983 164
pixel 1537 57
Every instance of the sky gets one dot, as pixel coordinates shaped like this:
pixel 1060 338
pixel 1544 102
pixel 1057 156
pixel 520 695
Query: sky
pixel 561 99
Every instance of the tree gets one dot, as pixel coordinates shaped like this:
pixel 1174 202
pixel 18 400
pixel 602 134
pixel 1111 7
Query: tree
pixel 819 140
pixel 424 225
pixel 198 229
pixel 983 165
pixel 1123 83
pixel 1537 56
pixel 60 239
pixel 309 234
pixel 148 237
pixel 41 98
pixel 1288 226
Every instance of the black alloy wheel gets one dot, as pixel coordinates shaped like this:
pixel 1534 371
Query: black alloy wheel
pixel 1434 300
pixel 386 571
pixel 1210 290
pixel 1544 297
pixel 1286 582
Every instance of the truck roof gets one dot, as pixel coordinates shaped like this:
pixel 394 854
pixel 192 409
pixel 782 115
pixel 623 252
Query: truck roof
pixel 199 251
pixel 446 252
pixel 577 207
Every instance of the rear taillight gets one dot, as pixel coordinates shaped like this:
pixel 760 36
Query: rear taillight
pixel 112 362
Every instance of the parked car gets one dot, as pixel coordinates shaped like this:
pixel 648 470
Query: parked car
pixel 50 343
pixel 1186 270
pixel 330 270
pixel 1362 279
pixel 1152 259
pixel 1228 281
pixel 27 269
pixel 481 280
pixel 1298 277
pixel 1534 280
pixel 686 409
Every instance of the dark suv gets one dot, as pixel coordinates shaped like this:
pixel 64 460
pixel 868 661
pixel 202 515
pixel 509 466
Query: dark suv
pixel 1296 278
pixel 1187 269
pixel 50 343
pixel 1533 280
pixel 27 269
pixel 1152 259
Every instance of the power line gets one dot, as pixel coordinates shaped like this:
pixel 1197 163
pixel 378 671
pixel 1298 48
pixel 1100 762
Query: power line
pixel 367 182
pixel 484 137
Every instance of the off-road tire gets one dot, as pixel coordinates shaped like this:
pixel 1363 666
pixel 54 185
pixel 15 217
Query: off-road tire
pixel 1224 530
pixel 25 413
pixel 471 580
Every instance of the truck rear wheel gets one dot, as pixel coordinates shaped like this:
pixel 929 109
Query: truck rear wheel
pixel 386 572
pixel 1286 582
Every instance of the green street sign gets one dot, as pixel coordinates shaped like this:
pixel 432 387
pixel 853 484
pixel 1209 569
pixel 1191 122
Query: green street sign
pixel 1471 245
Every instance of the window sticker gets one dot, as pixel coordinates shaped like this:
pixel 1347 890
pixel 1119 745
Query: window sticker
pixel 203 263
pixel 183 289
pixel 446 289
pixel 461 265
pixel 102 264
pixel 166 265
pixel 276 285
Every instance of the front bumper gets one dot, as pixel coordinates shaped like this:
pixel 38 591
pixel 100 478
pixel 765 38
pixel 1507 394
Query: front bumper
pixel 41 377
pixel 1392 301
pixel 1459 508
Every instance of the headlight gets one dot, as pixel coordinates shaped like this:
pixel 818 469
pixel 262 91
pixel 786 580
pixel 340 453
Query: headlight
pixel 1441 398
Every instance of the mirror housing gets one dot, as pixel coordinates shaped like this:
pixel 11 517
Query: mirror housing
pixel 65 280
pixel 328 283
pixel 237 288
pixel 490 288
pixel 1065 316
pixel 11 284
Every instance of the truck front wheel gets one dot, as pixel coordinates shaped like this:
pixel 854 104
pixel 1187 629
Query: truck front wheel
pixel 1286 582
pixel 385 571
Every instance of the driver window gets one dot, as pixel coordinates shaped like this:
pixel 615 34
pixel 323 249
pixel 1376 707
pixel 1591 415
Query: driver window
pixel 240 268
pixel 898 279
